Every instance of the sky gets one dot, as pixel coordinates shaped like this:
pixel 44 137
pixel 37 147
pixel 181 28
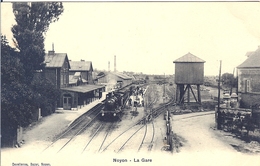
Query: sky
pixel 148 36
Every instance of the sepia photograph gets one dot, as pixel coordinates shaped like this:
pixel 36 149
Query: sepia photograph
pixel 130 83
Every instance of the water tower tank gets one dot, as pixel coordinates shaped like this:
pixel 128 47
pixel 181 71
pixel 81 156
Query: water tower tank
pixel 189 69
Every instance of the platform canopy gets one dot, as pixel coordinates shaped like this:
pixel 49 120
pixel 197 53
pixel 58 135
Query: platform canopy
pixel 83 88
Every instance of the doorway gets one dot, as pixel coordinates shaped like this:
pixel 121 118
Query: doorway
pixel 67 102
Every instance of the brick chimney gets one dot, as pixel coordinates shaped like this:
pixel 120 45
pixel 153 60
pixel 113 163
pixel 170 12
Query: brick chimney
pixel 52 52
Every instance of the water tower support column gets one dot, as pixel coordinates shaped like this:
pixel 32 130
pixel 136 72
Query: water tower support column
pixel 189 87
pixel 177 99
pixel 198 90
pixel 182 92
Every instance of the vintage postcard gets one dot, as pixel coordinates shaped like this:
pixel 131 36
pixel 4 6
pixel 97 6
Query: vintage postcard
pixel 130 83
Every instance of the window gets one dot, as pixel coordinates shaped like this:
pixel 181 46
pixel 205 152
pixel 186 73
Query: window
pixel 63 77
pixel 248 89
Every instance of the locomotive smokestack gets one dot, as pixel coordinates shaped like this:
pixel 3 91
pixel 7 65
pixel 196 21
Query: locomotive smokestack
pixel 108 66
pixel 114 63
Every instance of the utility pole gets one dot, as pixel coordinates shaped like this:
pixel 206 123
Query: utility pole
pixel 218 112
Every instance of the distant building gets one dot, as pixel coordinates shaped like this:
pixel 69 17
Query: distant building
pixel 249 80
pixel 113 80
pixel 138 78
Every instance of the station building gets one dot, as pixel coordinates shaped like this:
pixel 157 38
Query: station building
pixel 249 80
pixel 74 79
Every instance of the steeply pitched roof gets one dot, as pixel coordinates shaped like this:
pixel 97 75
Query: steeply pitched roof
pixel 74 78
pixel 189 58
pixel 248 54
pixel 81 66
pixel 253 60
pixel 56 60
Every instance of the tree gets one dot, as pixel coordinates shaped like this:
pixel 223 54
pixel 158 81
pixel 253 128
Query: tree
pixel 47 95
pixel 21 94
pixel 17 99
pixel 33 20
pixel 146 77
pixel 228 80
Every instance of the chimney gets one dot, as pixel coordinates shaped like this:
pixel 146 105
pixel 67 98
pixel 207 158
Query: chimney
pixel 114 63
pixel 52 52
pixel 108 66
pixel 82 60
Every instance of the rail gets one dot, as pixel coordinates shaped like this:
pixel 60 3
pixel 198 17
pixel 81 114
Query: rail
pixel 76 124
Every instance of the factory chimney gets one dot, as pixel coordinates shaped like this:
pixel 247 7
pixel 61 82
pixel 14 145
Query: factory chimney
pixel 108 66
pixel 115 63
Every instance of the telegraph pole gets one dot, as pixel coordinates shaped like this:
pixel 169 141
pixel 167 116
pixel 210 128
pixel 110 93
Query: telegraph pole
pixel 218 112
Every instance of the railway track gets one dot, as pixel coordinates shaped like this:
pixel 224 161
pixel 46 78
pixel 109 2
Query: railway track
pixel 144 123
pixel 95 133
pixel 108 131
pixel 145 137
pixel 101 138
pixel 134 132
pixel 117 138
pixel 93 113
pixel 82 129
pixel 121 148
pixel 77 126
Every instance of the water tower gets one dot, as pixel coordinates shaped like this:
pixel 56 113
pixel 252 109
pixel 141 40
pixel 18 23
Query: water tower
pixel 189 70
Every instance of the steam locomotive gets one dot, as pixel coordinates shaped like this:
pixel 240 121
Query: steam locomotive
pixel 115 102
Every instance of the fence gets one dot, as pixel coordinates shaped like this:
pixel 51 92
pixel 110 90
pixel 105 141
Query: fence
pixel 236 120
